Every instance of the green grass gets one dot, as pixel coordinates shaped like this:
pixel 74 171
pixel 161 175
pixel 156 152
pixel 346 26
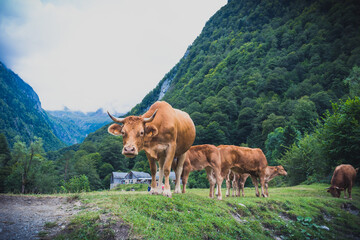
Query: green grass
pixel 300 212
pixel 131 187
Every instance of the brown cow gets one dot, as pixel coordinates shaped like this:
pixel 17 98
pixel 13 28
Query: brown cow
pixel 199 157
pixel 244 160
pixel 164 133
pixel 238 180
pixel 342 179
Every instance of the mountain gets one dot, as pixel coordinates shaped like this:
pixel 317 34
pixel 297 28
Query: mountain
pixel 258 65
pixel 258 69
pixel 21 113
pixel 73 126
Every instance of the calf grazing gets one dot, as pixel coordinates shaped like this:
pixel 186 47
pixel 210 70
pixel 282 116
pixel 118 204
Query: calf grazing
pixel 342 179
pixel 199 157
pixel 164 133
pixel 244 160
pixel 239 180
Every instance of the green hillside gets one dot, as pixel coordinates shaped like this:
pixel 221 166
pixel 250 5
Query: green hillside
pixel 21 113
pixel 280 75
pixel 260 68
pixel 255 61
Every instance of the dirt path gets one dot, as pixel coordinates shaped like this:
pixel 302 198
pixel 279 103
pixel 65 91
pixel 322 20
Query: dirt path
pixel 28 217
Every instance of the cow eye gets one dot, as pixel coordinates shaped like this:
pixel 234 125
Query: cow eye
pixel 142 133
pixel 123 133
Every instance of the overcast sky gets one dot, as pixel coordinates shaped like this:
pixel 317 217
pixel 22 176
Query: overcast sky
pixel 90 54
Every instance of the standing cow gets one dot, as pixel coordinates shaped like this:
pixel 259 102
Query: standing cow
pixel 164 133
pixel 238 180
pixel 203 156
pixel 342 179
pixel 244 160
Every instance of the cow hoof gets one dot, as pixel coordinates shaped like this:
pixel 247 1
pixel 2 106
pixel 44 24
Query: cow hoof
pixel 264 195
pixel 227 195
pixel 258 195
pixel 177 191
pixel 167 193
pixel 153 192
pixel 219 198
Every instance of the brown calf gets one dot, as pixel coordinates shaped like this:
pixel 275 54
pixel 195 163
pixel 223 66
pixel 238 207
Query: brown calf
pixel 199 157
pixel 244 160
pixel 239 179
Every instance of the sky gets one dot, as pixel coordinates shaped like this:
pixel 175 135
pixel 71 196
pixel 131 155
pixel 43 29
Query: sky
pixel 91 54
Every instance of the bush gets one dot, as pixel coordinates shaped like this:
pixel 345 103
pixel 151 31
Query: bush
pixel 76 184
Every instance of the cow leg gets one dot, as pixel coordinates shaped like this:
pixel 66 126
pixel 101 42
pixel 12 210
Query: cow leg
pixel 219 180
pixel 184 177
pixel 233 184
pixel 159 189
pixel 153 175
pixel 262 183
pixel 211 178
pixel 236 186
pixel 167 161
pixel 349 192
pixel 228 186
pixel 266 188
pixel 256 184
pixel 241 186
pixel 178 172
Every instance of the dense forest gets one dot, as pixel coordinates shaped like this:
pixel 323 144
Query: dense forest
pixel 21 113
pixel 279 75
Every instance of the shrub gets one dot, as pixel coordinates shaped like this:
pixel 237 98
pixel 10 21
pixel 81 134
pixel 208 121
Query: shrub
pixel 76 184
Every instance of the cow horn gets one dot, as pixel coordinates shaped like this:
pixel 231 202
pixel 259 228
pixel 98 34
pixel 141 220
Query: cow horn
pixel 150 118
pixel 119 120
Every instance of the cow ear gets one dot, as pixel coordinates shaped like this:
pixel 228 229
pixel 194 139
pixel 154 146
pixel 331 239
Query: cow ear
pixel 115 129
pixel 151 131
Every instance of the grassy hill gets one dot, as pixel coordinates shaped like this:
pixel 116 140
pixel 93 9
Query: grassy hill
pixel 299 212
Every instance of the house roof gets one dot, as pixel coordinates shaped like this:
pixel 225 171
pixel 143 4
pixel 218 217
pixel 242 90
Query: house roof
pixel 172 176
pixel 119 174
pixel 141 174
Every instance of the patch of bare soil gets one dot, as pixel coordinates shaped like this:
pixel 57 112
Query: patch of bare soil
pixel 29 217
pixel 350 208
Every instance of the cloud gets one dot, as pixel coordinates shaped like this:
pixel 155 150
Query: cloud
pixel 91 54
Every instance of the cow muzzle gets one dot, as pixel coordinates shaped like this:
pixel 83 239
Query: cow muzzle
pixel 130 151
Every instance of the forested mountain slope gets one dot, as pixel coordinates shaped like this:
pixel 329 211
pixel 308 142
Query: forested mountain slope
pixel 21 113
pixel 257 66
pixel 262 64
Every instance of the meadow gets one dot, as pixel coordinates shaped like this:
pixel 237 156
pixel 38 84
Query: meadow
pixel 298 212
